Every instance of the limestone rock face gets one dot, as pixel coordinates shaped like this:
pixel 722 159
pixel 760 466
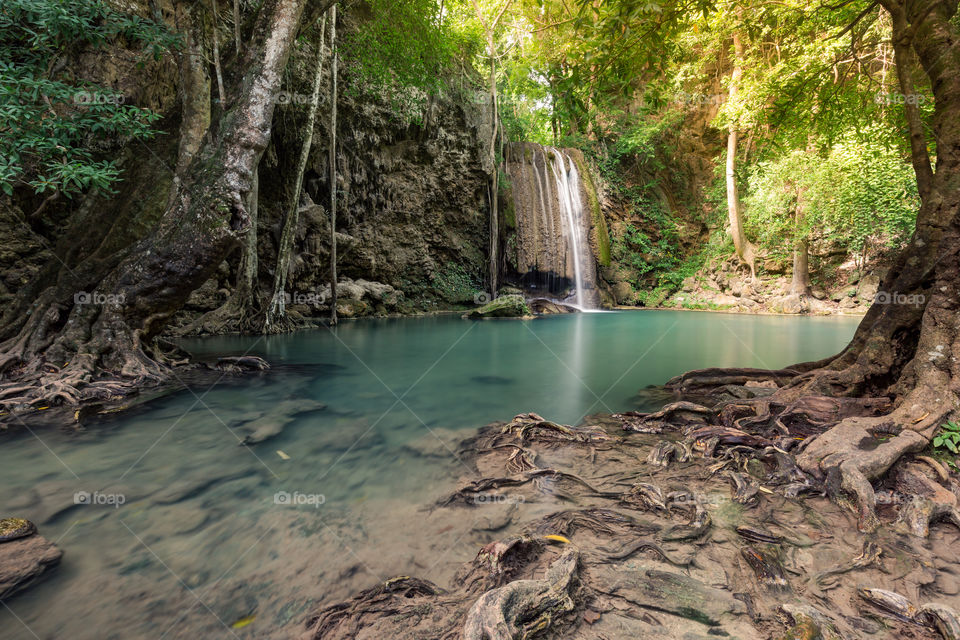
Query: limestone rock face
pixel 552 210
pixel 23 561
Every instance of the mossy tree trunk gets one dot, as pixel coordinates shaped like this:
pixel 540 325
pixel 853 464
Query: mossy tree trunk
pixel 69 347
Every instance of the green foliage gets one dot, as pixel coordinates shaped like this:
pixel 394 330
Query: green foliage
pixel 948 438
pixel 454 284
pixel 403 53
pixel 863 191
pixel 53 124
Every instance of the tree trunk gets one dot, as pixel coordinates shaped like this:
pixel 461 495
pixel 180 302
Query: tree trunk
pixel 277 309
pixel 744 248
pixel 494 178
pixel 906 349
pixel 333 167
pixel 68 341
pixel 800 282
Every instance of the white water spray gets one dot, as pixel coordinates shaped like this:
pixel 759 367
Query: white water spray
pixel 568 192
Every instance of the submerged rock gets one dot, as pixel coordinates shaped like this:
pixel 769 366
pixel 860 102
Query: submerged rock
pixel 14 528
pixel 503 307
pixel 25 560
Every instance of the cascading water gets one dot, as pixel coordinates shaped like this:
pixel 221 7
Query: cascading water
pixel 552 253
pixel 568 186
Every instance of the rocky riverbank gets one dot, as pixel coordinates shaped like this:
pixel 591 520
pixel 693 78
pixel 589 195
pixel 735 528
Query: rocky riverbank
pixel 642 526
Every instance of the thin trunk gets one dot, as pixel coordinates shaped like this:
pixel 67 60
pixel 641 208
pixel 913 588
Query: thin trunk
pixel 800 282
pixel 250 262
pixel 333 166
pixel 494 179
pixel 905 61
pixel 216 60
pixel 744 249
pixel 236 25
pixel 277 310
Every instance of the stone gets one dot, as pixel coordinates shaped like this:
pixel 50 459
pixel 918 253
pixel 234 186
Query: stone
pixel 869 286
pixel 793 303
pixel 24 561
pixel 549 307
pixel 14 528
pixel 623 293
pixel 502 307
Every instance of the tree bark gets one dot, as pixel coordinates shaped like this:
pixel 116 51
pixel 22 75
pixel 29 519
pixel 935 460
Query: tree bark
pixel 745 249
pixel 800 281
pixel 906 349
pixel 333 166
pixel 67 348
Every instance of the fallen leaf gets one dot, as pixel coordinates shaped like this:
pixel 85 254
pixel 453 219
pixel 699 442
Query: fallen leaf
pixel 557 538
pixel 242 622
pixel 591 616
pixel 282 455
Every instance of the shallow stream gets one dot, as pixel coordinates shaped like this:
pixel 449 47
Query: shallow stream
pixel 172 529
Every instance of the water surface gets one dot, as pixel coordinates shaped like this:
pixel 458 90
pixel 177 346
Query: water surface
pixel 215 539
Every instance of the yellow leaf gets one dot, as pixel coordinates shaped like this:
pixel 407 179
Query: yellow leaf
pixel 242 622
pixel 42 408
pixel 282 455
pixel 557 538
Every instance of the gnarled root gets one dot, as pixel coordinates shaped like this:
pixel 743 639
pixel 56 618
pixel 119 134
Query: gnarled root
pixel 523 608
pixel 850 456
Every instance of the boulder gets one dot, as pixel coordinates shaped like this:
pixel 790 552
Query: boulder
pixel 548 307
pixel 503 307
pixel 623 293
pixel 23 561
pixel 793 303
pixel 869 286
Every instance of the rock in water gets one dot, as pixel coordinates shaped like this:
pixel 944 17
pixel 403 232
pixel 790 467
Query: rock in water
pixel 502 307
pixel 14 528
pixel 23 561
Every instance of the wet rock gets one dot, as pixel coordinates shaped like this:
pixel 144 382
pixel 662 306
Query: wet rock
pixel 549 307
pixel 670 592
pixel 502 307
pixel 24 561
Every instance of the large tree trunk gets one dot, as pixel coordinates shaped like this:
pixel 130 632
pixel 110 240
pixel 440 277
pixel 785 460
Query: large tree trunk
pixel 69 345
pixel 744 248
pixel 908 348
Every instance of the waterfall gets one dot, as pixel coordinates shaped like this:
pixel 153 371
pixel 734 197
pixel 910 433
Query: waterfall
pixel 553 254
pixel 568 186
